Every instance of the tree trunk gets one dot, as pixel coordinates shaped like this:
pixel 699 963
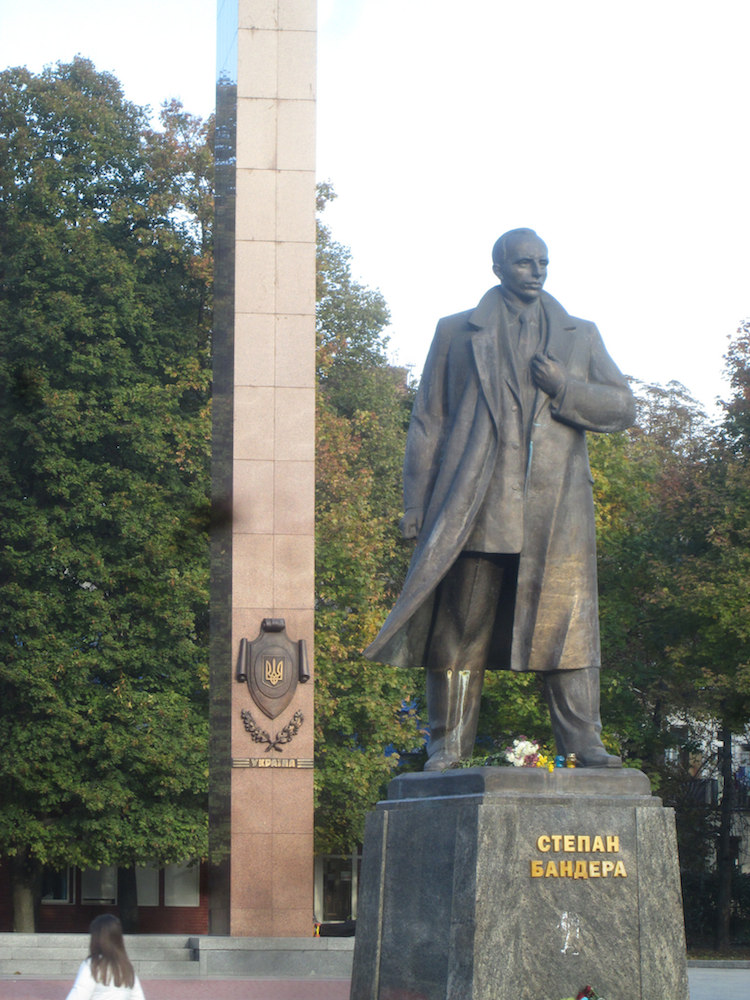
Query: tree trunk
pixel 26 890
pixel 127 898
pixel 724 858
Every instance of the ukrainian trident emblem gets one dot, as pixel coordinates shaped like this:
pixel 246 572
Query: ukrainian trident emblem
pixel 274 670
pixel 272 665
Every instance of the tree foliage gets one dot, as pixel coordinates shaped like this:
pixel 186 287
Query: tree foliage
pixel 639 476
pixel 104 402
pixel 365 712
pixel 674 534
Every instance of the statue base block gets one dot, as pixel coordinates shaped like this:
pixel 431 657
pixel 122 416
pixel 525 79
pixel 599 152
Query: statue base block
pixel 520 884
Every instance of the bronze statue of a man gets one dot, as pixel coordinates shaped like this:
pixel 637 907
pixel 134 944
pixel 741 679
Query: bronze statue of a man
pixel 498 494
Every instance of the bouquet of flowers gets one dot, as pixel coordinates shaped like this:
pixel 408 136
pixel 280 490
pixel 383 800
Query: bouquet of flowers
pixel 528 753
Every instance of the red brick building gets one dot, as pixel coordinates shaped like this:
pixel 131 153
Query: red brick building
pixel 171 900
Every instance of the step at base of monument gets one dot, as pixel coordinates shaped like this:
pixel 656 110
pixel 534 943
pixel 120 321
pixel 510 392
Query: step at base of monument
pixel 274 958
pixel 519 884
pixel 58 956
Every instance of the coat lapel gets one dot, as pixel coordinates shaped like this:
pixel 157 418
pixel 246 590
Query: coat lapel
pixel 492 352
pixel 494 355
pixel 560 329
pixel 559 342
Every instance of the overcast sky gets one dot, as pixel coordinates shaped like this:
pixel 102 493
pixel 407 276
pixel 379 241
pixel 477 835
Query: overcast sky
pixel 617 130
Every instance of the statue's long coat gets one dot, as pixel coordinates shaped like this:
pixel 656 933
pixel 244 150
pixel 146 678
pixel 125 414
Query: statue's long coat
pixel 466 427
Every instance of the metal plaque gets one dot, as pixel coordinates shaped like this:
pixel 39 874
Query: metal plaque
pixel 272 665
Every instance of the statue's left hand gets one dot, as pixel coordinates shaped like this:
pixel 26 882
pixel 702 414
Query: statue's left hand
pixel 548 373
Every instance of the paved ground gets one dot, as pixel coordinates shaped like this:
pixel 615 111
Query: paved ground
pixel 193 989
pixel 719 984
pixel 705 984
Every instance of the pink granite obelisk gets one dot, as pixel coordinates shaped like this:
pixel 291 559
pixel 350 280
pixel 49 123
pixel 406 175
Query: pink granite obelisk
pixel 261 806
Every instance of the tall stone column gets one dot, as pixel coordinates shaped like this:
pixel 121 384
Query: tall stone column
pixel 263 460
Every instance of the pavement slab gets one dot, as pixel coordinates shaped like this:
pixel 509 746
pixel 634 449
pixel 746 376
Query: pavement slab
pixel 193 989
pixel 705 984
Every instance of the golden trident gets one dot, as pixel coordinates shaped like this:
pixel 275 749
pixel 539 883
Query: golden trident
pixel 274 670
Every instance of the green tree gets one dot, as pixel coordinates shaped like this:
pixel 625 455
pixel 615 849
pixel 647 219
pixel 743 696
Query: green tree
pixel 674 512
pixel 638 475
pixel 646 528
pixel 712 580
pixel 104 403
pixel 365 712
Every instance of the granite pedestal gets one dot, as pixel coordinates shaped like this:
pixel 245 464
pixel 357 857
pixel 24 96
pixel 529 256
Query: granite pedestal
pixel 519 884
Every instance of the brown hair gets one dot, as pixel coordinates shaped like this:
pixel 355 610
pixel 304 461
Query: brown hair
pixel 109 960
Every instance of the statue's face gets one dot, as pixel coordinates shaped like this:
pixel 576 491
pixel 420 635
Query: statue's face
pixel 524 270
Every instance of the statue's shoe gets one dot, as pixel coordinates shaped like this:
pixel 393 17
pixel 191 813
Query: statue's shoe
pixel 598 758
pixel 441 761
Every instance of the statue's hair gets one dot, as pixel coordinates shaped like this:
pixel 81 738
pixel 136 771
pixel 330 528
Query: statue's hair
pixel 500 249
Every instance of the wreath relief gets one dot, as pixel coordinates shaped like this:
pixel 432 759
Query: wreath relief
pixel 259 735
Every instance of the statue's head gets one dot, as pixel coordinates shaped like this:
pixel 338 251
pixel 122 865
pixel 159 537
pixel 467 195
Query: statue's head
pixel 519 259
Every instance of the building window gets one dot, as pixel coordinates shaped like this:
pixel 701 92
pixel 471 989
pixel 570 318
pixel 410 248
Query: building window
pixel 99 885
pixel 56 886
pixel 147 882
pixel 182 885
pixel 336 887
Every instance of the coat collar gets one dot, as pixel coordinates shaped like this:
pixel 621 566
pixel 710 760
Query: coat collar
pixel 486 311
pixel 491 361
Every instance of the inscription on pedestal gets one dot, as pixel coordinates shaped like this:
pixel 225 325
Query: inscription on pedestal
pixel 571 843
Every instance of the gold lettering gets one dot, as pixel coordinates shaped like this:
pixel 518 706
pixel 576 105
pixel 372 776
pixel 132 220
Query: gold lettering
pixel 578 843
pixel 546 842
pixel 271 762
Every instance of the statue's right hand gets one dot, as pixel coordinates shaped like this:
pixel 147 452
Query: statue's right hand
pixel 411 522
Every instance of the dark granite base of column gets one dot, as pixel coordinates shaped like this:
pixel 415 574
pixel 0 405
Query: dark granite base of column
pixel 519 884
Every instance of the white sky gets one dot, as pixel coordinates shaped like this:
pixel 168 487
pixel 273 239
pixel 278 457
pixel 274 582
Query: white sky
pixel 617 130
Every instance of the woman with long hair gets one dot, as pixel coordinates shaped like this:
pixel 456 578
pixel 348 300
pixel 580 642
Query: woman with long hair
pixel 107 973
